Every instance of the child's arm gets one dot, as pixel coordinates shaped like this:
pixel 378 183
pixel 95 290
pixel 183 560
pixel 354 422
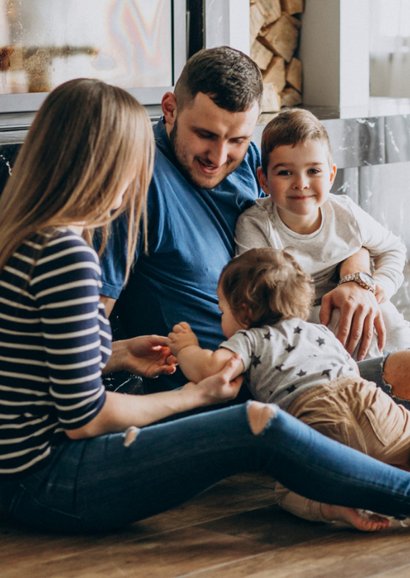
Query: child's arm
pixel 387 250
pixel 197 363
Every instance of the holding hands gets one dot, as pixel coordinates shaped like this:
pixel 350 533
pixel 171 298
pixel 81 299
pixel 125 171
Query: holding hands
pixel 222 387
pixel 214 375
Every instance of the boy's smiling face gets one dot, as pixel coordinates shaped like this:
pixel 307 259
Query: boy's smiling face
pixel 298 180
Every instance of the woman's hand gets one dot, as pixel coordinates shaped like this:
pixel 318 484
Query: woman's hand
pixel 222 386
pixel 147 355
pixel 181 336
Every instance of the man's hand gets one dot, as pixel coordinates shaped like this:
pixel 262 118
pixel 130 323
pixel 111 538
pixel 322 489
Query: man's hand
pixel 181 336
pixel 147 355
pixel 360 316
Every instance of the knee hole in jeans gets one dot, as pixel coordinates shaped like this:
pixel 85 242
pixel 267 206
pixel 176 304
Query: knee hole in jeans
pixel 130 435
pixel 259 416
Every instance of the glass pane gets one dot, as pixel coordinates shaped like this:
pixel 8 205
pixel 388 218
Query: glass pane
pixel 390 48
pixel 45 42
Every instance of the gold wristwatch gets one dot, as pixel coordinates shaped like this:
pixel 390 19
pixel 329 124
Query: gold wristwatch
pixel 363 279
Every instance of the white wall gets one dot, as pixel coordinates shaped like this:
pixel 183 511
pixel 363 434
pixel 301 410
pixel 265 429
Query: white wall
pixel 334 50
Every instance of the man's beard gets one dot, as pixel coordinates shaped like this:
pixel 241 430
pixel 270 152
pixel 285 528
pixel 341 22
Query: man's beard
pixel 173 139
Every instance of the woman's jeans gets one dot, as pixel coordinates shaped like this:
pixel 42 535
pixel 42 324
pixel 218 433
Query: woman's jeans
pixel 100 484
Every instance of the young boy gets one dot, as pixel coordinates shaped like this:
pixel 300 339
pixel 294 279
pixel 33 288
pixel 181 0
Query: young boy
pixel 265 298
pixel 318 228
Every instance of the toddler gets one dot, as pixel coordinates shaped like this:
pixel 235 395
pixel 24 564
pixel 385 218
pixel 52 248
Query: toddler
pixel 265 298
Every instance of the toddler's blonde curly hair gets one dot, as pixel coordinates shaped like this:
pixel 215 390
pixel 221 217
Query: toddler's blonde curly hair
pixel 265 285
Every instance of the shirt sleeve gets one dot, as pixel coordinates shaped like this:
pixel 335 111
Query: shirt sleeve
pixel 240 344
pixel 113 259
pixel 66 285
pixel 252 230
pixel 386 249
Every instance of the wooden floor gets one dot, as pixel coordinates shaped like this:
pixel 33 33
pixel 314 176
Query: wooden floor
pixel 233 530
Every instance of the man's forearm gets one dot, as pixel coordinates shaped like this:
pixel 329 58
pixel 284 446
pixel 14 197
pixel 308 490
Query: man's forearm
pixel 360 261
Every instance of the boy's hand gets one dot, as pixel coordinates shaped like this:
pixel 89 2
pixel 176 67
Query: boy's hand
pixel 380 294
pixel 181 336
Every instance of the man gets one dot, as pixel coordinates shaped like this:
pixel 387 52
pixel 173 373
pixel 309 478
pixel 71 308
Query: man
pixel 204 177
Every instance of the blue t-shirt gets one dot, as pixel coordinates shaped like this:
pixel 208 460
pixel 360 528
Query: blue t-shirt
pixel 190 239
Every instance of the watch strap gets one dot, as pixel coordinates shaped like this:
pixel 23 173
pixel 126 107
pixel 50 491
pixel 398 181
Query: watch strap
pixel 363 279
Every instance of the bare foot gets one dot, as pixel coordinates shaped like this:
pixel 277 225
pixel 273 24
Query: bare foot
pixel 359 519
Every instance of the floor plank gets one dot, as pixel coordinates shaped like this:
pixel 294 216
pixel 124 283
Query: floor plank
pixel 233 530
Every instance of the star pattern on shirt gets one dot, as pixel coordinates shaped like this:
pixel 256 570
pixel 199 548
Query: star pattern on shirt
pixel 301 373
pixel 327 372
pixel 320 341
pixel 297 330
pixel 255 360
pixel 290 348
pixel 279 367
pixel 267 335
pixel 291 388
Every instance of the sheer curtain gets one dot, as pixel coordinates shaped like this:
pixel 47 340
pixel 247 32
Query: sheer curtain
pixel 390 48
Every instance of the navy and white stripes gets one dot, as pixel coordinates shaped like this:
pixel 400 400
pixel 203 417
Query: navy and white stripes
pixel 54 342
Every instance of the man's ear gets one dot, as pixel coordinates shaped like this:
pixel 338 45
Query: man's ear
pixel 262 180
pixel 169 108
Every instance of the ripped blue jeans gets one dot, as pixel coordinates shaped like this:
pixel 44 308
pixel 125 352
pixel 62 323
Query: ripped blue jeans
pixel 100 484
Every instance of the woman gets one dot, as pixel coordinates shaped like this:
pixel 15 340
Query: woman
pixel 73 456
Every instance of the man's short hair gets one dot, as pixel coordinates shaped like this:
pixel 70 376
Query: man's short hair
pixel 228 76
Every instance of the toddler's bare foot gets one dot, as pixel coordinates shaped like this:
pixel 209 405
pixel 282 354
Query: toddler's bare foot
pixel 356 518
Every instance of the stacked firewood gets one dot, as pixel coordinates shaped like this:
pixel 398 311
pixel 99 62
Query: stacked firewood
pixel 274 36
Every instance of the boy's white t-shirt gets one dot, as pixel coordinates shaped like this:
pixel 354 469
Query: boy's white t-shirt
pixel 345 228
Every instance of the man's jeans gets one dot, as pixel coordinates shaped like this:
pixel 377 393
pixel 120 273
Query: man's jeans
pixel 103 483
pixel 372 370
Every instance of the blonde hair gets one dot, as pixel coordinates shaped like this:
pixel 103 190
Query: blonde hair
pixel 262 286
pixel 88 140
pixel 289 128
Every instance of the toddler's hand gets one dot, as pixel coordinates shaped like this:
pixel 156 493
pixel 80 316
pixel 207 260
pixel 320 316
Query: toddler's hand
pixel 181 336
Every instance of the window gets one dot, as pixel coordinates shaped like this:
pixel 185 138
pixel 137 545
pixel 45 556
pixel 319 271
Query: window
pixel 139 45
pixel 390 48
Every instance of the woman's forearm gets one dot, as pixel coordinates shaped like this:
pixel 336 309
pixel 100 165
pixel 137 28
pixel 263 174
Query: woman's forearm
pixel 122 411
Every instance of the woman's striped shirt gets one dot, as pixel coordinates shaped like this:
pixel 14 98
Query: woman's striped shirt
pixel 54 342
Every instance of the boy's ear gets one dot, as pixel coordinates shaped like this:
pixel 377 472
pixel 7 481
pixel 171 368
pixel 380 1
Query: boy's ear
pixel 262 180
pixel 169 108
pixel 333 171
